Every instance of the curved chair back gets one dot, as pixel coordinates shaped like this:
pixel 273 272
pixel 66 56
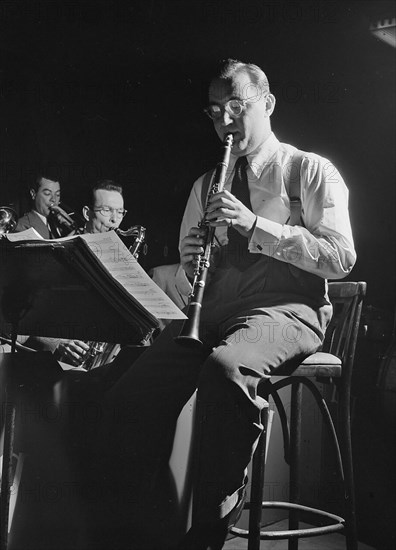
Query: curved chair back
pixel 341 334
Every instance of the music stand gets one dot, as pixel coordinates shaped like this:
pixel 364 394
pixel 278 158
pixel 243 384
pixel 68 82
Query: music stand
pixel 49 281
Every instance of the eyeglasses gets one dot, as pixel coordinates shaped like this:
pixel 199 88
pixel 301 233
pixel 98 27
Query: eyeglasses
pixel 107 211
pixel 234 107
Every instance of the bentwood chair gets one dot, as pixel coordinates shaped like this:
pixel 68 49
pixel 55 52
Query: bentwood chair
pixel 332 365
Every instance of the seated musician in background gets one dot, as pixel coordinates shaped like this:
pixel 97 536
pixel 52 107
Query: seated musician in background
pixel 44 193
pixel 104 212
pixel 106 207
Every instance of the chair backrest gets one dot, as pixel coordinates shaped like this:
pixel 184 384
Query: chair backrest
pixel 342 332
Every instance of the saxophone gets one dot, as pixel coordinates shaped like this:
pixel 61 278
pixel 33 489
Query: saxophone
pixel 139 233
pixel 189 334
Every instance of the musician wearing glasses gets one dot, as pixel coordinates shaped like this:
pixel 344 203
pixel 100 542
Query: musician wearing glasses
pixel 281 228
pixel 106 210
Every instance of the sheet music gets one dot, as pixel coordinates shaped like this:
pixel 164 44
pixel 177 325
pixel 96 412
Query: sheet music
pixel 27 235
pixel 125 269
pixel 121 265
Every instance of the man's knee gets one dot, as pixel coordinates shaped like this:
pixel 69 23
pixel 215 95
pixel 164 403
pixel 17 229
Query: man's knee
pixel 224 376
pixel 218 369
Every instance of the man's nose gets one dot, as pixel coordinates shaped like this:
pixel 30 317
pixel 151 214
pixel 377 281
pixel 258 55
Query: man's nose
pixel 113 216
pixel 226 118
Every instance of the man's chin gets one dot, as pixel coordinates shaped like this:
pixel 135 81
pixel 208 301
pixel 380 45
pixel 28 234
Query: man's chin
pixel 240 145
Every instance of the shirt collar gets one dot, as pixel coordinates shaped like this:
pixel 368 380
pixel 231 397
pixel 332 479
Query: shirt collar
pixel 260 157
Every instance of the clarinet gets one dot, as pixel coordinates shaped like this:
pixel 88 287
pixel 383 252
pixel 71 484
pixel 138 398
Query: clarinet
pixel 189 334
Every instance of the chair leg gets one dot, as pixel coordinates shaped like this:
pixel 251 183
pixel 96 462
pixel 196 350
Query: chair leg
pixel 295 448
pixel 6 473
pixel 257 485
pixel 349 485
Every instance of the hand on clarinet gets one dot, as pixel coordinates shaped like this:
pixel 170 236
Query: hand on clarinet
pixel 225 209
pixel 190 248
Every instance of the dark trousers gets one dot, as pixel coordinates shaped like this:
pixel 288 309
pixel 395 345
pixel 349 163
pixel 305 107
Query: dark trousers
pixel 241 350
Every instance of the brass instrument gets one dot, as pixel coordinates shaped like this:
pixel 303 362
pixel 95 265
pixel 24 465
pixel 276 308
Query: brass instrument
pixel 8 220
pixel 99 353
pixel 63 224
pixel 136 231
pixel 189 335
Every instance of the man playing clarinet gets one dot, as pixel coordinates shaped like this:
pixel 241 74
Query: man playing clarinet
pixel 265 304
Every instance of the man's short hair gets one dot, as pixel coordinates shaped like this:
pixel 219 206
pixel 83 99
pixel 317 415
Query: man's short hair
pixel 42 175
pixel 106 185
pixel 227 68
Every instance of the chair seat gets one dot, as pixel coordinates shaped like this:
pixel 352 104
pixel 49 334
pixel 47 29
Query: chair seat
pixel 320 364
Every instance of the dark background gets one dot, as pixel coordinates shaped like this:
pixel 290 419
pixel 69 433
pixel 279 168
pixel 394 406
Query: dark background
pixel 106 89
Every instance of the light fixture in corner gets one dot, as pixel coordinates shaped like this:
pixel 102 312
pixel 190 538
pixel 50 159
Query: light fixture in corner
pixel 385 30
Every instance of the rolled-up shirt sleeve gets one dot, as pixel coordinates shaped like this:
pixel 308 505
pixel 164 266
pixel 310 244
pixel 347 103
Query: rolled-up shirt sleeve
pixel 323 244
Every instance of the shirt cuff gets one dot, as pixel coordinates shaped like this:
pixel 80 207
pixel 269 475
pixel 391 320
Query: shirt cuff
pixel 266 237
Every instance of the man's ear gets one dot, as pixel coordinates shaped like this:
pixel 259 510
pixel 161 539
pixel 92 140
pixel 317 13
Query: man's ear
pixel 270 104
pixel 33 194
pixel 85 212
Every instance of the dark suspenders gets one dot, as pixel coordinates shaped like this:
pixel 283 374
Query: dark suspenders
pixel 292 181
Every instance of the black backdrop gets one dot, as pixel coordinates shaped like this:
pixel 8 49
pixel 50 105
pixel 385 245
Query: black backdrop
pixel 108 89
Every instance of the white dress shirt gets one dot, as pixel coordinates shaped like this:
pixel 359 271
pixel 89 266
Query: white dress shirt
pixel 323 244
